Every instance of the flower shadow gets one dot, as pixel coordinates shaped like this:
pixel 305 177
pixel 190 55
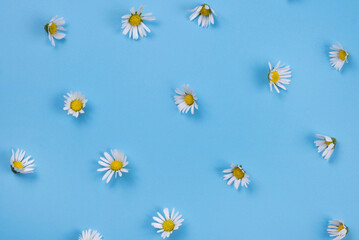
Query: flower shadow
pixel 260 75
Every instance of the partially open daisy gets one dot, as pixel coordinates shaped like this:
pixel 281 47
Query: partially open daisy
pixel 327 144
pixel 113 164
pixel 133 23
pixel 337 229
pixel 167 223
pixel 19 164
pixel 237 175
pixel 185 99
pixel 53 29
pixel 205 13
pixel 338 56
pixel 90 235
pixel 278 76
pixel 75 103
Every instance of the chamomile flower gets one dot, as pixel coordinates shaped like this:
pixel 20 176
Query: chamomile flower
pixel 75 103
pixel 327 144
pixel 133 23
pixel 53 29
pixel 278 76
pixel 19 164
pixel 205 13
pixel 90 235
pixel 185 99
pixel 113 164
pixel 237 175
pixel 338 56
pixel 337 229
pixel 167 223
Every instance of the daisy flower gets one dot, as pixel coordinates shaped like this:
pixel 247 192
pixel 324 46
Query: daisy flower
pixel 113 164
pixel 338 57
pixel 237 175
pixel 337 229
pixel 327 143
pixel 205 13
pixel 168 223
pixel 75 103
pixel 90 235
pixel 186 99
pixel 133 23
pixel 53 28
pixel 19 164
pixel 278 76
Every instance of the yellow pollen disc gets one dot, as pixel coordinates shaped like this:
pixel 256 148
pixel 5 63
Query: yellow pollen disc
pixel 204 11
pixel 189 99
pixel 168 225
pixel 238 173
pixel 76 105
pixel 342 55
pixel 341 227
pixel 275 76
pixel 328 143
pixel 135 20
pixel 116 165
pixel 18 165
pixel 52 28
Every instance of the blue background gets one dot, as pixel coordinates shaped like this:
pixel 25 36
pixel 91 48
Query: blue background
pixel 176 160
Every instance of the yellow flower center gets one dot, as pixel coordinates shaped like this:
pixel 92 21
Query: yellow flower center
pixel 76 105
pixel 52 28
pixel 275 76
pixel 238 173
pixel 189 99
pixel 18 165
pixel 328 143
pixel 204 11
pixel 341 227
pixel 135 20
pixel 168 225
pixel 342 55
pixel 116 165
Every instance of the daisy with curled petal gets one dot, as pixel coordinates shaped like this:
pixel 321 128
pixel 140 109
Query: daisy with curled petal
pixel 237 175
pixel 53 29
pixel 205 13
pixel 113 164
pixel 327 144
pixel 337 229
pixel 168 223
pixel 133 23
pixel 90 235
pixel 75 103
pixel 185 99
pixel 338 56
pixel 278 76
pixel 19 164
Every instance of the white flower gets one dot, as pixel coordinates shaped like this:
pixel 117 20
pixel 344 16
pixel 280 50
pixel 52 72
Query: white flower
pixel 75 103
pixel 168 223
pixel 205 13
pixel 337 229
pixel 90 235
pixel 113 165
pixel 278 76
pixel 19 164
pixel 186 99
pixel 327 143
pixel 133 23
pixel 53 28
pixel 338 57
pixel 237 175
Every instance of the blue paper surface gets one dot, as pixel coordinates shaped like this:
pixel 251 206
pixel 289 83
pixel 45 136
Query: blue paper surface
pixel 176 160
